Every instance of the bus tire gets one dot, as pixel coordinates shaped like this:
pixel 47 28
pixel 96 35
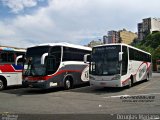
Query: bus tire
pixel 68 84
pixel 2 84
pixel 147 78
pixel 130 82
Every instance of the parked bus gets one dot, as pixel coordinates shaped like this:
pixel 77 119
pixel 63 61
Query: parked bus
pixel 10 74
pixel 158 65
pixel 55 65
pixel 118 65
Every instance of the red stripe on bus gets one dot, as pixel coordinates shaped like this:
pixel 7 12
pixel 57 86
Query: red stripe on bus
pixel 8 68
pixel 50 76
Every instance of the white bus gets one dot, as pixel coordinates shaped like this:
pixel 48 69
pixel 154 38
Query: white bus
pixel 118 65
pixel 10 74
pixel 55 65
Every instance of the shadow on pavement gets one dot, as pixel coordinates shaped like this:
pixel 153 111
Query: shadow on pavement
pixel 104 90
pixel 84 88
pixel 20 90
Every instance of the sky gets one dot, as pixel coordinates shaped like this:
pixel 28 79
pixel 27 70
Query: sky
pixel 25 23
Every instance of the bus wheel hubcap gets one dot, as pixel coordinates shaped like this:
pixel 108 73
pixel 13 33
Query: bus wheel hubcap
pixel 1 84
pixel 68 84
pixel 147 77
pixel 130 83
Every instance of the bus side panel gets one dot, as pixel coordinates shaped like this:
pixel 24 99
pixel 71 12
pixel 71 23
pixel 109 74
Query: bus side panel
pixel 125 80
pixel 74 71
pixel 19 78
pixel 11 78
pixel 140 69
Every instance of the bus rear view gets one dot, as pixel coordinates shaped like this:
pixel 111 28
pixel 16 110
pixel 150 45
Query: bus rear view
pixel 118 65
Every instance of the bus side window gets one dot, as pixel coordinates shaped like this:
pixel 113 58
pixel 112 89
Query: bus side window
pixel 4 57
pixel 54 59
pixel 10 57
pixel 7 57
pixel 124 60
pixel 20 61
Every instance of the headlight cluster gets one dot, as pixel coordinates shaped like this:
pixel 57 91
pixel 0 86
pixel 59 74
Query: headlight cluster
pixel 116 77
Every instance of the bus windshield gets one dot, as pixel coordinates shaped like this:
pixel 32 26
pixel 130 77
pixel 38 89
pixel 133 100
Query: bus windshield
pixel 105 60
pixel 32 65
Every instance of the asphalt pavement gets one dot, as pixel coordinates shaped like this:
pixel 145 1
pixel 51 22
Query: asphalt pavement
pixel 142 98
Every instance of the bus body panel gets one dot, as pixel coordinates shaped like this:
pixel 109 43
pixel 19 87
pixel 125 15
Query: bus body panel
pixel 57 79
pixel 13 78
pixel 140 70
pixel 104 81
pixel 12 73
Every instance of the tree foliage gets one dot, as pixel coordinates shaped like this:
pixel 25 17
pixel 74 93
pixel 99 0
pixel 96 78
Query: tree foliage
pixel 151 44
pixel 152 40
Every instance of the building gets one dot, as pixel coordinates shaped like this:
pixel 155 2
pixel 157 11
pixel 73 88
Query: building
pixel 95 42
pixel 148 26
pixel 113 37
pixel 121 36
pixel 126 37
pixel 105 39
pixel 140 31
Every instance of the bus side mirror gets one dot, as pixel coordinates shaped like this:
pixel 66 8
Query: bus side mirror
pixel 120 56
pixel 43 58
pixel 17 58
pixel 87 58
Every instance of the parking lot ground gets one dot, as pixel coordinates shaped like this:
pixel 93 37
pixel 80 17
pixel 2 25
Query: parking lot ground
pixel 84 100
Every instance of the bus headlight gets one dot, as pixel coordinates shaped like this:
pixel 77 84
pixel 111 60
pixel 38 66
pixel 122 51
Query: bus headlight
pixel 116 77
pixel 92 78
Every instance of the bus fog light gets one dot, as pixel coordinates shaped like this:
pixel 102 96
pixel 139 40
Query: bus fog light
pixel 92 78
pixel 52 84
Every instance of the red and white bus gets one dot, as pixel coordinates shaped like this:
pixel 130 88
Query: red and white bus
pixel 10 73
pixel 118 65
pixel 55 65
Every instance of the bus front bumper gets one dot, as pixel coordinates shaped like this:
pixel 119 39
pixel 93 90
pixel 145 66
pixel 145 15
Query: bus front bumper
pixel 100 83
pixel 35 84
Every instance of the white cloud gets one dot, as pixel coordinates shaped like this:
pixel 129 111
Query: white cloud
pixel 75 20
pixel 19 5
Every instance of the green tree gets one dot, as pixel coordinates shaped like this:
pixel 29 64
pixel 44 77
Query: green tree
pixel 152 40
pixel 151 44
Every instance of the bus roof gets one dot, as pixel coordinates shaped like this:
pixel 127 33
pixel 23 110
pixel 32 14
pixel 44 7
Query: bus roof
pixel 7 48
pixel 124 45
pixel 66 45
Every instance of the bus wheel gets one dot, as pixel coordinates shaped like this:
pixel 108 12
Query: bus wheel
pixel 147 79
pixel 130 83
pixel 67 83
pixel 1 85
